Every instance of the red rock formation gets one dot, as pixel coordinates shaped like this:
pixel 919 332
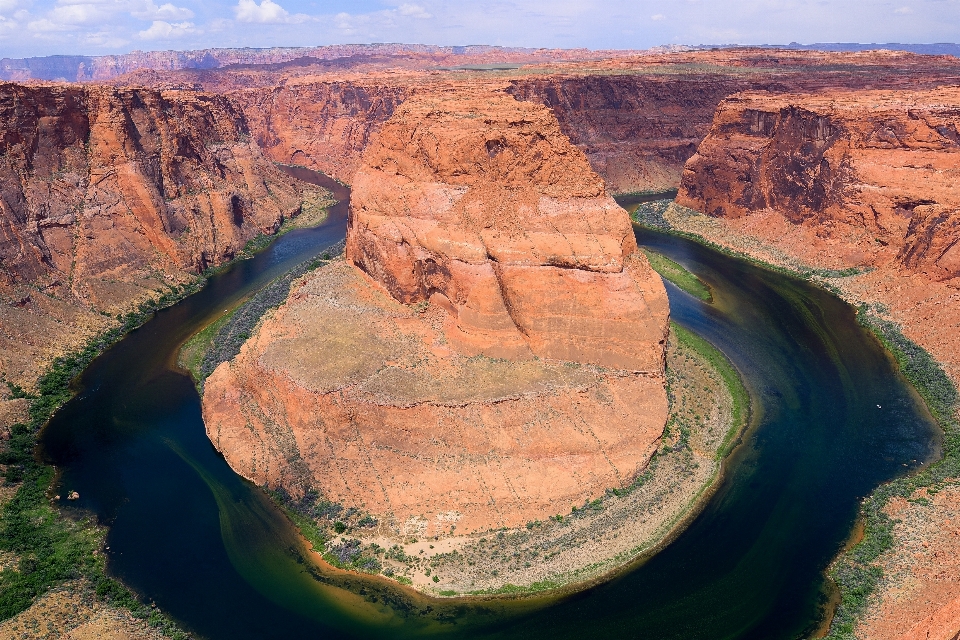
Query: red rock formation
pixel 883 163
pixel 637 130
pixel 849 179
pixel 349 392
pixel 477 204
pixel 106 194
pixel 319 123
pixel 638 117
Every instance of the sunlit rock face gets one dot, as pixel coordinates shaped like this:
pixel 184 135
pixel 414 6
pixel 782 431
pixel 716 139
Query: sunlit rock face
pixel 478 202
pixel 107 196
pixel 877 171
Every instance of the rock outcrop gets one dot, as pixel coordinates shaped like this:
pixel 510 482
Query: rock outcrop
pixel 108 195
pixel 875 171
pixel 494 356
pixel 479 203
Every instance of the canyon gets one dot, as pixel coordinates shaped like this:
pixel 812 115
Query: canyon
pixel 859 189
pixel 490 281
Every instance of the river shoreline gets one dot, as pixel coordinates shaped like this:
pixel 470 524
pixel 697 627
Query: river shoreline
pixel 567 553
pixel 856 570
pixel 102 598
pixel 505 596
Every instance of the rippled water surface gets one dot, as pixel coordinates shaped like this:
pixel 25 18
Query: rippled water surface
pixel 831 420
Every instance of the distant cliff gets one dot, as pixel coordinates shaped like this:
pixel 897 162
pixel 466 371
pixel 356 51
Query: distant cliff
pixel 102 68
pixel 107 195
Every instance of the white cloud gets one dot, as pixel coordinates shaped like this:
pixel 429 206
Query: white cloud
pixel 162 30
pixel 150 11
pixel 108 39
pixel 413 11
pixel 904 10
pixel 45 25
pixel 267 12
pixel 657 16
pixel 78 14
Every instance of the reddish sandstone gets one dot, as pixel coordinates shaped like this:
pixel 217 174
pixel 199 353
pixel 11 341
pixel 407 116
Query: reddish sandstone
pixel 479 202
pixel 107 195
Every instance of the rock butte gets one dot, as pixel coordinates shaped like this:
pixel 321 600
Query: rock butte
pixel 531 381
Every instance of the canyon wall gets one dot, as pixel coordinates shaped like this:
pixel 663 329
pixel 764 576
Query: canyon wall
pixel 321 124
pixel 638 117
pixel 637 130
pixel 877 169
pixel 108 195
pixel 491 352
pixel 103 68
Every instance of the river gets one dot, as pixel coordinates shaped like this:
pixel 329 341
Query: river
pixel 831 421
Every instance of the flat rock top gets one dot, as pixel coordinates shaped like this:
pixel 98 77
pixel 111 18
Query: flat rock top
pixel 342 332
pixel 856 103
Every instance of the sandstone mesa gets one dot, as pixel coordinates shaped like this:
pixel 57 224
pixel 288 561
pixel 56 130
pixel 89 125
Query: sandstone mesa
pixel 534 379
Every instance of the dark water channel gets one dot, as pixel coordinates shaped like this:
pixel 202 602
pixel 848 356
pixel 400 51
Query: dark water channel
pixel 212 551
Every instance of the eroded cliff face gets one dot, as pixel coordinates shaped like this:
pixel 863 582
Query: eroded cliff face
pixel 108 195
pixel 490 353
pixel 876 171
pixel 478 202
pixel 321 124
pixel 637 131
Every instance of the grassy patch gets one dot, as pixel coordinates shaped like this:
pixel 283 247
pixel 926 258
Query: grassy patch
pixel 678 275
pixel 731 378
pixel 222 339
pixel 856 572
pixel 194 349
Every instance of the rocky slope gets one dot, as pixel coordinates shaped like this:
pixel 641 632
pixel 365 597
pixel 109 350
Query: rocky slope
pixel 491 353
pixel 109 195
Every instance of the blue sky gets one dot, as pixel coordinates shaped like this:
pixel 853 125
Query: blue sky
pixel 94 27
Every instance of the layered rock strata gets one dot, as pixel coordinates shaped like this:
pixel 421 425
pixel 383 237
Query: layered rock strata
pixel 318 123
pixel 108 195
pixel 490 353
pixel 877 169
pixel 637 115
pixel 479 203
